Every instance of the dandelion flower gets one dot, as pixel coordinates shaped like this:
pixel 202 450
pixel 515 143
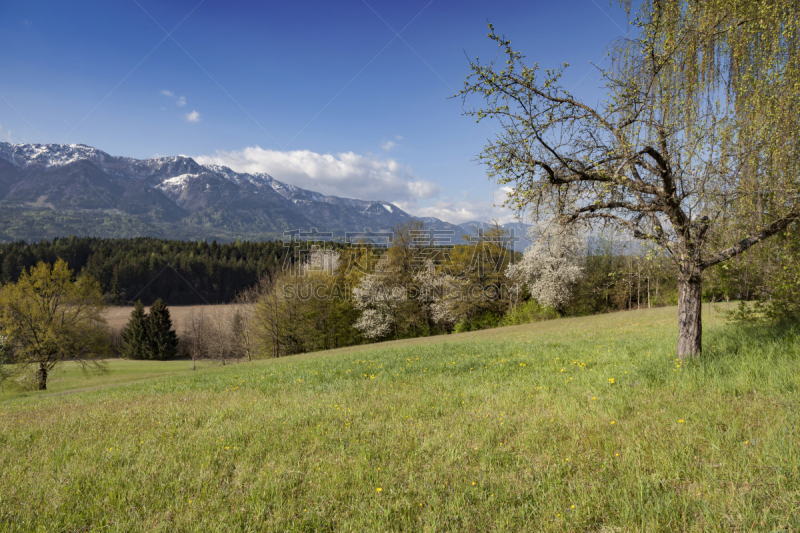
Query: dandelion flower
pixel 378 489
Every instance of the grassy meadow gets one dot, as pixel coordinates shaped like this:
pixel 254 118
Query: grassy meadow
pixel 583 424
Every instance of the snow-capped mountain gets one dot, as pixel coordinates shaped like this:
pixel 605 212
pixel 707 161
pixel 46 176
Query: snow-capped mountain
pixel 58 189
pixel 50 155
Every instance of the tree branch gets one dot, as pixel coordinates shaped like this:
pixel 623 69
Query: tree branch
pixel 768 231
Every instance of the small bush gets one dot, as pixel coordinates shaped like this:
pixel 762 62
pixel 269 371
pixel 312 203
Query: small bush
pixel 747 314
pixel 484 320
pixel 530 311
pixel 461 326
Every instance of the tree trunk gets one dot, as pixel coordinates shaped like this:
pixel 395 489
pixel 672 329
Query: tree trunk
pixel 41 378
pixel 658 284
pixel 690 326
pixel 639 289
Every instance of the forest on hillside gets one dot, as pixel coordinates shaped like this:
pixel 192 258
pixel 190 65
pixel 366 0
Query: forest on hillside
pixel 179 272
pixel 616 273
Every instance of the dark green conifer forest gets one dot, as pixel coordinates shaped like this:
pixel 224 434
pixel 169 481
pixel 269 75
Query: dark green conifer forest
pixel 179 272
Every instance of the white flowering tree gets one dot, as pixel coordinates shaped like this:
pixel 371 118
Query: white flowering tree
pixel 438 294
pixel 378 298
pixel 551 266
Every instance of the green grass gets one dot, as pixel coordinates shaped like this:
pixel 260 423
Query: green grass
pixel 513 429
pixel 71 377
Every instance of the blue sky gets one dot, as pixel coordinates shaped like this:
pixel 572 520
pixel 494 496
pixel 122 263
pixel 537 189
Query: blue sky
pixel 320 94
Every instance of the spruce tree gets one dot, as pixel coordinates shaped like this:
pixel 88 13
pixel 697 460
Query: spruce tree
pixel 163 341
pixel 135 338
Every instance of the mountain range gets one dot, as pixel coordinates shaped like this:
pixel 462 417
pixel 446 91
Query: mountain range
pixel 55 190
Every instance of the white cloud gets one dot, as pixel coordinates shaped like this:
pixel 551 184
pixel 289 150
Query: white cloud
pixel 5 135
pixel 501 194
pixel 345 174
pixel 454 212
pixel 468 209
pixel 194 116
pixel 389 145
pixel 180 101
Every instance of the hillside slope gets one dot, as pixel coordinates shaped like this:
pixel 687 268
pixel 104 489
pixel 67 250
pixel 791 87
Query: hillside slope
pixel 569 425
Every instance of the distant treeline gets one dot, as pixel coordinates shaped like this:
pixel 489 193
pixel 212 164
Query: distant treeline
pixel 617 275
pixel 197 272
pixel 179 272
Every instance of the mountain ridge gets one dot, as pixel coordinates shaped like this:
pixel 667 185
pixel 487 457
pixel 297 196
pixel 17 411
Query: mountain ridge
pixel 53 190
pixel 46 188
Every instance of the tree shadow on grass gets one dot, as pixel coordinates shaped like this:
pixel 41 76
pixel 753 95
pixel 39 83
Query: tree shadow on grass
pixel 737 358
pixel 763 340
pixel 743 358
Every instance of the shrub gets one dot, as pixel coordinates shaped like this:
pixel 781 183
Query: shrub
pixel 527 312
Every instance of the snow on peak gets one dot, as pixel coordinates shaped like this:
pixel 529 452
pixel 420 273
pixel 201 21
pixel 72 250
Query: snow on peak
pixel 49 155
pixel 387 207
pixel 258 179
pixel 176 183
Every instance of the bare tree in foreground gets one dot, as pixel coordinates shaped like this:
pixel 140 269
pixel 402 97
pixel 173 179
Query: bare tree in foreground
pixel 695 149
